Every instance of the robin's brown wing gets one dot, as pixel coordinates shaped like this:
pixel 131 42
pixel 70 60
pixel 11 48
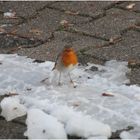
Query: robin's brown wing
pixel 56 61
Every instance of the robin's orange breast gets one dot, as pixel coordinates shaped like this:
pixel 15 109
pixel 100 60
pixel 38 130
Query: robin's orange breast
pixel 69 57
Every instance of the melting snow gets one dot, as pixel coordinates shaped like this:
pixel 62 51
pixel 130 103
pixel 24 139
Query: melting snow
pixel 43 126
pixel 64 103
pixel 85 126
pixel 11 108
pixel 9 14
pixel 125 135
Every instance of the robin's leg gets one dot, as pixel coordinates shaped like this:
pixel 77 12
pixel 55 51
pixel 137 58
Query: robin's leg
pixel 59 83
pixel 71 80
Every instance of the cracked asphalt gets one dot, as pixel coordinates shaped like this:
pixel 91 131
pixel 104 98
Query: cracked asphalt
pixel 98 31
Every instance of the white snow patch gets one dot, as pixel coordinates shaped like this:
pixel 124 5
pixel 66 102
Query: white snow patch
pixel 21 75
pixel 79 124
pixel 125 135
pixel 63 113
pixel 137 96
pixel 11 108
pixel 43 126
pixel 84 126
pixel 9 14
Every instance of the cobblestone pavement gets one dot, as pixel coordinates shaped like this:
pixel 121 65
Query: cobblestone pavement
pixel 99 31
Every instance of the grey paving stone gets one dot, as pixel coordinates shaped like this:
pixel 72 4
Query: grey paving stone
pixel 50 50
pixel 111 25
pixel 7 23
pixel 47 21
pixel 135 8
pixel 8 20
pixel 23 8
pixel 127 49
pixel 134 76
pixel 11 130
pixel 88 8
pixel 20 120
pixel 12 43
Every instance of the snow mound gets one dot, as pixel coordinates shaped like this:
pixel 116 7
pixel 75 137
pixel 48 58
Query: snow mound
pixel 80 124
pixel 125 135
pixel 85 127
pixel 23 76
pixel 11 108
pixel 66 116
pixel 43 126
pixel 63 113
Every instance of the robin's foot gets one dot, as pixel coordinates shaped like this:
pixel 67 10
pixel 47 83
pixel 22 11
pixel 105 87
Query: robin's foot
pixel 74 86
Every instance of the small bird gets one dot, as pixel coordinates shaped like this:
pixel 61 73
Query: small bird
pixel 66 62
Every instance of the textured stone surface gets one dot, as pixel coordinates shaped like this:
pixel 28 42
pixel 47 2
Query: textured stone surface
pixel 11 130
pixel 9 21
pixel 23 8
pixel 25 11
pixel 47 22
pixel 135 76
pixel 86 8
pixel 10 43
pixel 127 49
pixel 112 24
pixel 50 50
pixel 127 4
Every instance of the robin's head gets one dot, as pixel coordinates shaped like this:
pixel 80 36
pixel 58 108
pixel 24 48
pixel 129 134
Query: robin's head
pixel 68 48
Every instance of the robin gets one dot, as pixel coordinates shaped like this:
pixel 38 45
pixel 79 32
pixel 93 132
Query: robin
pixel 66 62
